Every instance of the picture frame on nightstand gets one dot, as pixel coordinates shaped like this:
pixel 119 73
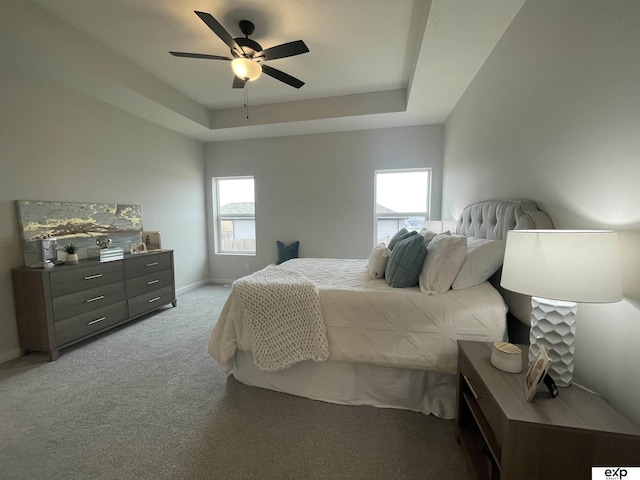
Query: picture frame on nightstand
pixel 536 373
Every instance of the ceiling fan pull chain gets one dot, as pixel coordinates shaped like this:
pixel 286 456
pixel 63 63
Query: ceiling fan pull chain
pixel 246 98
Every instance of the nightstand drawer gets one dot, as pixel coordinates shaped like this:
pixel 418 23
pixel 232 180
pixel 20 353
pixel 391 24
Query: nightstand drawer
pixel 484 400
pixel 90 322
pixel 81 278
pixel 149 301
pixel 144 264
pixel 66 306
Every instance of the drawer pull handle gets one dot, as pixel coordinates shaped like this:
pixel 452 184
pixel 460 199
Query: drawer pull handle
pixel 91 277
pixel 97 320
pixel 99 297
pixel 152 264
pixel 473 392
pixel 152 282
pixel 154 299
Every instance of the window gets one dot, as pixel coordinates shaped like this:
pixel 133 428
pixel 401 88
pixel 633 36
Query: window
pixel 235 221
pixel 402 201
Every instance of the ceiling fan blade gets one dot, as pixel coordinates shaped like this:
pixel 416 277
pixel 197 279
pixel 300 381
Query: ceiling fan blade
pixel 199 55
pixel 219 30
pixel 285 50
pixel 283 77
pixel 238 82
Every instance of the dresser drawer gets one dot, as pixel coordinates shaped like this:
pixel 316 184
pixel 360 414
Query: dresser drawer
pixel 147 263
pixel 66 306
pixel 89 276
pixel 87 323
pixel 148 301
pixel 147 283
pixel 481 395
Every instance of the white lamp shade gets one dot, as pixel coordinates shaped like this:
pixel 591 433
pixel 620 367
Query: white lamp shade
pixel 570 265
pixel 245 68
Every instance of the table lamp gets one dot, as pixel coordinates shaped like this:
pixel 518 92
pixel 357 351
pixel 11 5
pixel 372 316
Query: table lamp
pixel 561 268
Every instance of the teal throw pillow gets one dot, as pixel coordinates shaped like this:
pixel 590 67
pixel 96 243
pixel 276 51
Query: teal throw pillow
pixel 405 263
pixel 401 235
pixel 286 252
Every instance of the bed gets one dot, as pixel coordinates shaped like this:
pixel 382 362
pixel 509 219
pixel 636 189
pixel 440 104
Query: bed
pixel 382 346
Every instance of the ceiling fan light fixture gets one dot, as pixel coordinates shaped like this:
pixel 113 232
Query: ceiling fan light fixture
pixel 246 68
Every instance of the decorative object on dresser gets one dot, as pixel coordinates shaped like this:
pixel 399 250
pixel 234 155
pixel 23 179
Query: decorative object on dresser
pixel 507 438
pixel 72 254
pixel 104 241
pixel 58 307
pixel 152 241
pixel 136 248
pixel 560 268
pixel 106 254
pixel 45 255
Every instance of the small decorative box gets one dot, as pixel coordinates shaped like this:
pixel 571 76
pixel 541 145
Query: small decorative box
pixel 507 357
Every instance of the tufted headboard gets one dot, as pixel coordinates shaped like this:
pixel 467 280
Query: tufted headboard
pixel 492 219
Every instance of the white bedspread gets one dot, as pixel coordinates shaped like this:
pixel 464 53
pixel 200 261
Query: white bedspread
pixel 369 322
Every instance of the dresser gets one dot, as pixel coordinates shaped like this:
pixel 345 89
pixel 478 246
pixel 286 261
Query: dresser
pixel 58 307
pixel 506 437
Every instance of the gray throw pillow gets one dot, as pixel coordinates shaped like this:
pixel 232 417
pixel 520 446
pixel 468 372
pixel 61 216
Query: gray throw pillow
pixel 286 252
pixel 401 235
pixel 405 263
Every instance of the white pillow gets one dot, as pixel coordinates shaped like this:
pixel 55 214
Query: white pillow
pixel 428 235
pixel 484 258
pixel 378 261
pixel 445 255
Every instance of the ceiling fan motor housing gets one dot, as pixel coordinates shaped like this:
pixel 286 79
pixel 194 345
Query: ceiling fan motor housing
pixel 249 47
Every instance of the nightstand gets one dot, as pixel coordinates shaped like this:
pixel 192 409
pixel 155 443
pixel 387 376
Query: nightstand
pixel 508 438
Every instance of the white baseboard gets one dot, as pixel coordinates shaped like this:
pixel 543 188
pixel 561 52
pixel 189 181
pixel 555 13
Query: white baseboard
pixel 180 291
pixel 222 281
pixel 10 355
pixel 216 281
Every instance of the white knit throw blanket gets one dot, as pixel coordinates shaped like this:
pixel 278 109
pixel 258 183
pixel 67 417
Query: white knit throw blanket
pixel 283 310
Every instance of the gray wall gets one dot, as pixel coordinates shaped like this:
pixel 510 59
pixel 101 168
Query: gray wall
pixel 318 189
pixel 554 115
pixel 59 145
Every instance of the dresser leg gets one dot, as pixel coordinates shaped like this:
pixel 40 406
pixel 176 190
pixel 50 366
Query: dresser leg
pixel 53 355
pixel 174 303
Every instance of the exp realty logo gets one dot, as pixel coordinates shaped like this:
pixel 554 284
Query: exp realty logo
pixel 615 473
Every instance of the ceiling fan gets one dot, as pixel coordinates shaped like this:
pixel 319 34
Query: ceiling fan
pixel 248 55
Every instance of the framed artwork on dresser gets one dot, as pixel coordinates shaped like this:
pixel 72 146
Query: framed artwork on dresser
pixel 152 240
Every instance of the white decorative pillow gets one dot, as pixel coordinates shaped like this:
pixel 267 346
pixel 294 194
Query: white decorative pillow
pixel 445 255
pixel 428 235
pixel 378 261
pixel 484 258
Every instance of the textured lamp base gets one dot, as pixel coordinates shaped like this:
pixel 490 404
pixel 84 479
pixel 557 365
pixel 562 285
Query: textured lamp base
pixel 553 324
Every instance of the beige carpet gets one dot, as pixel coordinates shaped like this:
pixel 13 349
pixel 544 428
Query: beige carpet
pixel 145 401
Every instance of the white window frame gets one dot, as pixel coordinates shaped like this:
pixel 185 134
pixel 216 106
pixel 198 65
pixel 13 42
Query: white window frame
pixel 218 217
pixel 378 216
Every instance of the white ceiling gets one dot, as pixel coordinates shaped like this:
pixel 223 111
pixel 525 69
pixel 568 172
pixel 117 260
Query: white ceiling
pixel 372 63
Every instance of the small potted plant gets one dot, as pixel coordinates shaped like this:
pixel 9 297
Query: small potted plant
pixel 72 254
